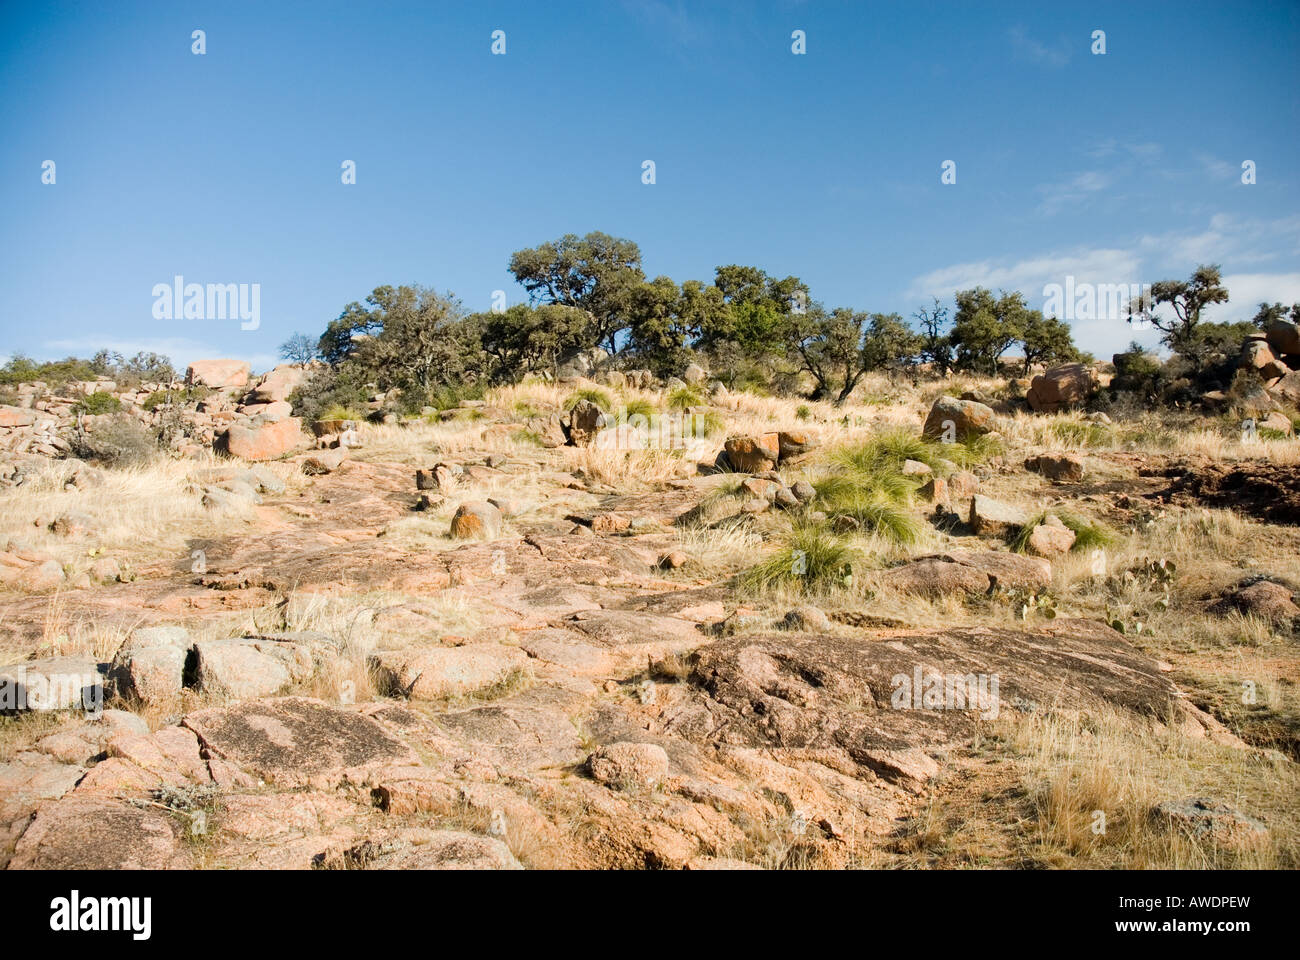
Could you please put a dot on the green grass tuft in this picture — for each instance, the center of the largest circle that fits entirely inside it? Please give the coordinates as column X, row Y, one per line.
column 679, row 398
column 1083, row 434
column 1088, row 534
column 811, row 559
column 592, row 395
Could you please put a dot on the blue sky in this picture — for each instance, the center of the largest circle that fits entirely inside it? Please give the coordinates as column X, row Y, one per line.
column 225, row 167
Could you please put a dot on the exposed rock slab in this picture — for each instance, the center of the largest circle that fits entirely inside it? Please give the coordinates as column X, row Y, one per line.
column 295, row 740
column 85, row 833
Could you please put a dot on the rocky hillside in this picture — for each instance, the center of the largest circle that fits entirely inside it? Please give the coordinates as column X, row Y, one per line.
column 616, row 625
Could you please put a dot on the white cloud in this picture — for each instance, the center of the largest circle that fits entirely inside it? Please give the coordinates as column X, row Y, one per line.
column 1248, row 290
column 1228, row 241
column 1111, row 147
column 1030, row 275
column 1219, row 169
column 1056, row 55
column 1059, row 195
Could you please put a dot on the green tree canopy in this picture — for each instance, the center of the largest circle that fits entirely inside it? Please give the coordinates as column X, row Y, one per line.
column 596, row 273
column 985, row 326
column 408, row 337
column 1046, row 340
column 526, row 339
column 1186, row 299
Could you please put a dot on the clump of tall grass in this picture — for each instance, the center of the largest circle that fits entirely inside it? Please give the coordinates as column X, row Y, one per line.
column 866, row 483
column 592, row 395
column 680, row 398
column 1088, row 534
column 811, row 559
column 638, row 407
column 706, row 424
column 1080, row 433
column 337, row 411
column 971, row 450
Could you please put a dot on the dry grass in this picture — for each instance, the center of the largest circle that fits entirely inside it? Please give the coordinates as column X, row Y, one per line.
column 138, row 514
column 1188, row 435
column 418, row 442
column 1075, row 766
column 630, row 469
column 718, row 551
column 1078, row 790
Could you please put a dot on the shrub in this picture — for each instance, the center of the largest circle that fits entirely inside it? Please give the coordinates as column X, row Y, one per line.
column 178, row 397
column 328, row 387
column 447, row 396
column 706, row 424
column 336, row 411
column 122, row 441
column 868, row 484
column 971, row 450
column 1077, row 432
column 636, row 407
column 97, row 403
column 803, row 412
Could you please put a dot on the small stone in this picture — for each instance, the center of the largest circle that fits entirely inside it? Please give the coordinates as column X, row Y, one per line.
column 804, row 490
column 673, row 560
column 989, row 517
column 761, row 488
column 476, row 519
column 54, row 683
column 629, row 765
column 327, row 461
column 427, row 501
column 1263, row 598
column 785, row 498
column 150, row 664
column 1059, row 468
column 508, row 508
column 606, row 523
column 1214, row 820
column 266, row 441
column 71, row 525
column 245, row 668
column 441, row 477
column 935, row 490
column 951, row 420
column 794, row 443
column 806, row 617
column 753, row 454
column 1050, row 539
column 436, row 673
